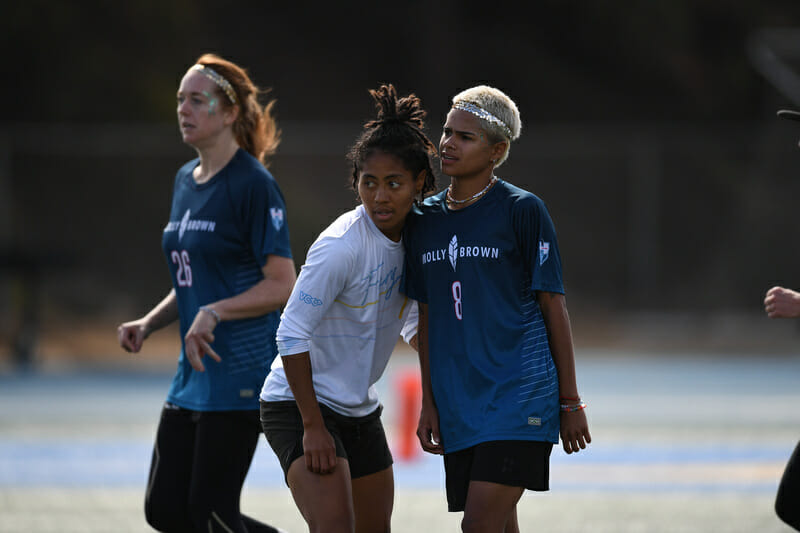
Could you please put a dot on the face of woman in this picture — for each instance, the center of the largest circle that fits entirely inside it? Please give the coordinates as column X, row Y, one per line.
column 387, row 189
column 464, row 149
column 201, row 117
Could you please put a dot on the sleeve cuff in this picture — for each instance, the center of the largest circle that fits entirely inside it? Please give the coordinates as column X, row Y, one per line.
column 289, row 346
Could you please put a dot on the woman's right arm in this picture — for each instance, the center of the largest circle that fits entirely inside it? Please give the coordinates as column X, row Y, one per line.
column 325, row 273
column 318, row 445
column 131, row 335
column 428, row 428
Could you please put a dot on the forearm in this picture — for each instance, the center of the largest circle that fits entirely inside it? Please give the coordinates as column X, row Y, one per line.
column 559, row 331
column 266, row 296
column 299, row 376
column 163, row 314
column 422, row 351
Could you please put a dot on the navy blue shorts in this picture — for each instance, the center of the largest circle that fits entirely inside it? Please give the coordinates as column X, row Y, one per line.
column 517, row 463
column 360, row 440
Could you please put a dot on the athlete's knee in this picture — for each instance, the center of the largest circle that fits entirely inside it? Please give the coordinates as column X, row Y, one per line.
column 336, row 521
column 213, row 521
column 164, row 517
column 374, row 518
column 479, row 524
column 375, row 524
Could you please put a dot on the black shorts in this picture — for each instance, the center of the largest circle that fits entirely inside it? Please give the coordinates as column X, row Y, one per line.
column 517, row 463
column 360, row 440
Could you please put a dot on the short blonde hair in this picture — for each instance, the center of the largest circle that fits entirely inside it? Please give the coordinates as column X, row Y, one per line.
column 502, row 107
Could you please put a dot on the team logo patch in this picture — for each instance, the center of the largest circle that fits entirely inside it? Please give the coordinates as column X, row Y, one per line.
column 276, row 213
column 544, row 251
column 452, row 251
column 534, row 421
column 184, row 222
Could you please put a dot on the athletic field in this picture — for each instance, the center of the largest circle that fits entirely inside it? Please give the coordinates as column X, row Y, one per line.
column 682, row 443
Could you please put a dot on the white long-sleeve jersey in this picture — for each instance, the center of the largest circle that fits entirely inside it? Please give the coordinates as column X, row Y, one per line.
column 347, row 311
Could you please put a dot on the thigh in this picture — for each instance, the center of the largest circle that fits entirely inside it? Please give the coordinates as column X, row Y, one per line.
column 524, row 464
column 373, row 500
column 365, row 444
column 491, row 507
column 515, row 463
column 283, row 428
column 169, row 481
column 225, row 444
column 324, row 500
column 457, row 467
column 500, row 472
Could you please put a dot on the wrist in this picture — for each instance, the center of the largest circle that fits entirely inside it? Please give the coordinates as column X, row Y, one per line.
column 146, row 325
column 571, row 407
column 313, row 423
column 209, row 310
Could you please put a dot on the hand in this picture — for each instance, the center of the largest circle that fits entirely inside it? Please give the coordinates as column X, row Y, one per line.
column 131, row 335
column 574, row 431
column 197, row 342
column 428, row 429
column 319, row 450
column 782, row 303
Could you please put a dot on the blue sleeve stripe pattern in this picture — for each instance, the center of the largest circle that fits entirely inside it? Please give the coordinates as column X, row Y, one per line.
column 247, row 273
column 250, row 345
column 538, row 374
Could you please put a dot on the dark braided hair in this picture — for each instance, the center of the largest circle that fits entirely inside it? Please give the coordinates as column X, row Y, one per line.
column 396, row 131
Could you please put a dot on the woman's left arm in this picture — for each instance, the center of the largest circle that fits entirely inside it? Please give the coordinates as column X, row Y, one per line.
column 574, row 426
column 264, row 297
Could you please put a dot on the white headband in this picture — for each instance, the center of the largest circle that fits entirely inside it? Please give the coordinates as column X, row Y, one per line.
column 481, row 113
column 224, row 84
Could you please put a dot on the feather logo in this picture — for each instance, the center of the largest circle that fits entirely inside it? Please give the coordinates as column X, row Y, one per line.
column 184, row 222
column 452, row 251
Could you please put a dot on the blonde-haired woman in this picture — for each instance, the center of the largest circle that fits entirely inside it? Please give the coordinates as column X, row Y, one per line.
column 495, row 340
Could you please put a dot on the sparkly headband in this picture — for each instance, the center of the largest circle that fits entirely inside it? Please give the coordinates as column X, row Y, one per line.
column 224, row 84
column 481, row 113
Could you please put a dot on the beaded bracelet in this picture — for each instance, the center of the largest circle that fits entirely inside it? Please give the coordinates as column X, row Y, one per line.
column 211, row 312
column 572, row 408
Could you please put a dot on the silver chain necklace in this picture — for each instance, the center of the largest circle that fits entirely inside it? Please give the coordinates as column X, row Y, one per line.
column 473, row 197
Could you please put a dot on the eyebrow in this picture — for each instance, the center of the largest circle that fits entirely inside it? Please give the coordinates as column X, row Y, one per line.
column 461, row 132
column 389, row 176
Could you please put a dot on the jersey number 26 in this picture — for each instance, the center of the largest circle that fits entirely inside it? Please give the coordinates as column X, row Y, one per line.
column 184, row 275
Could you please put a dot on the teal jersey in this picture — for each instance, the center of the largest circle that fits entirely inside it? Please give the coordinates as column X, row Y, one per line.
column 216, row 242
column 478, row 270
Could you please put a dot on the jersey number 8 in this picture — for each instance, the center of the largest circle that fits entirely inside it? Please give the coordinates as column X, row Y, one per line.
column 456, row 290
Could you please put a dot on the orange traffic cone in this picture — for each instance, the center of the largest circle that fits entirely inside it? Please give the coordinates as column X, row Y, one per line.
column 408, row 387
